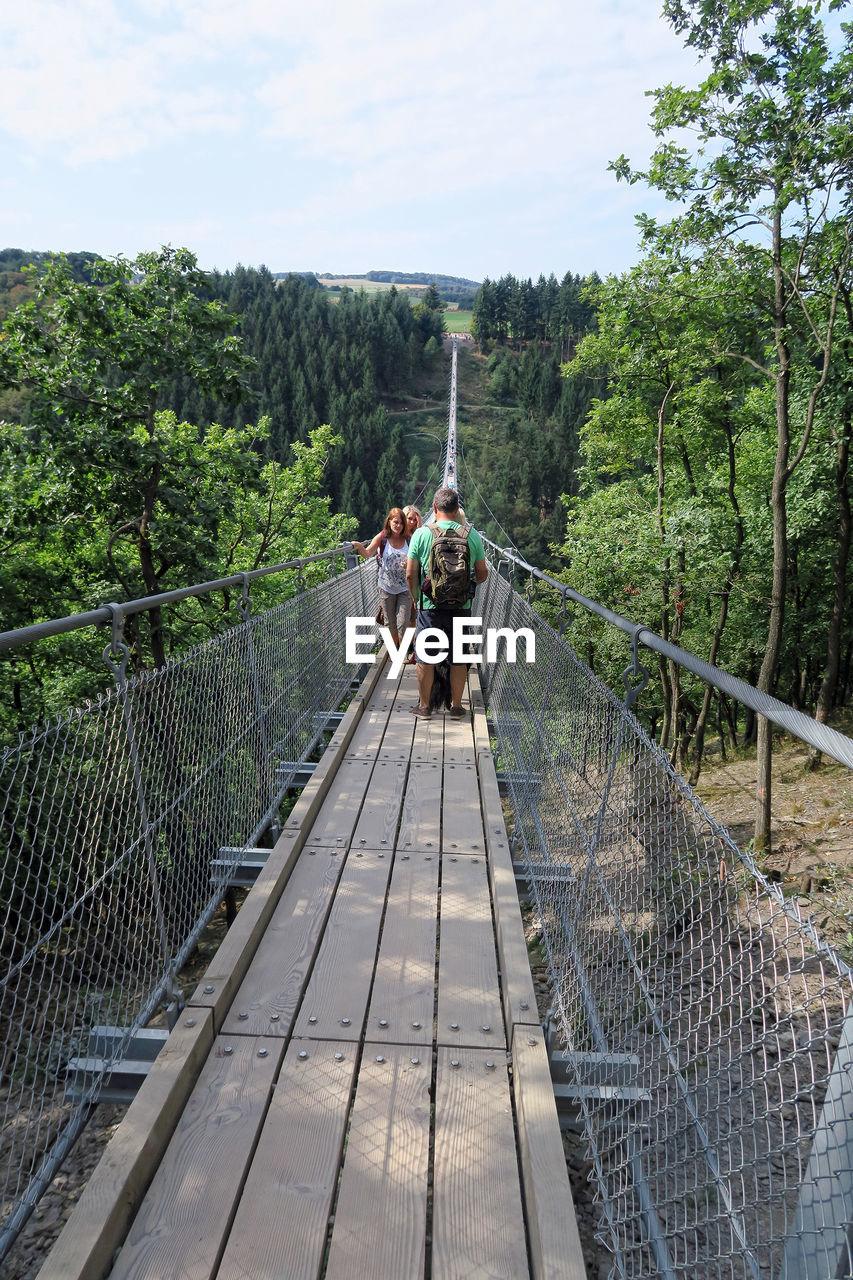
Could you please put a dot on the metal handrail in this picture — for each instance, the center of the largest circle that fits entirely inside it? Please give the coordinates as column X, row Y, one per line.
column 107, row 612
column 821, row 736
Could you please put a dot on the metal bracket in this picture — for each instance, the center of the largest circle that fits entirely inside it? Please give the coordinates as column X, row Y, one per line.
column 636, row 669
column 117, row 645
column 245, row 601
column 531, row 783
column 238, row 868
column 565, row 617
column 120, row 1076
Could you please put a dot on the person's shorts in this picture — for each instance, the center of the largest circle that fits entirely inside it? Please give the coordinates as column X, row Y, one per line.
column 441, row 619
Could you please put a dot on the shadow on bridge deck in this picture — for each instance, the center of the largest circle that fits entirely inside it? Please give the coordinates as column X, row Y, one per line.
column 359, row 1086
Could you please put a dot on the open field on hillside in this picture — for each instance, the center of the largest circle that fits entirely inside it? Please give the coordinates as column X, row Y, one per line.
column 458, row 321
column 370, row 286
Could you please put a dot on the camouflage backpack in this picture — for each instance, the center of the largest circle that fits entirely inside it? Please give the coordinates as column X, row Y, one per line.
column 449, row 568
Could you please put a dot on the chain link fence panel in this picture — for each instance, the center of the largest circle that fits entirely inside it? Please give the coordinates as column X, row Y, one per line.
column 703, row 1024
column 115, row 819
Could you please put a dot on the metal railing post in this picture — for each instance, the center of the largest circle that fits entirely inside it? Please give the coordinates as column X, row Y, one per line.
column 119, row 671
column 246, row 618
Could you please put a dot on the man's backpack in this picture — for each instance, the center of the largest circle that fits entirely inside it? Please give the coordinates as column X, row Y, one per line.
column 449, row 568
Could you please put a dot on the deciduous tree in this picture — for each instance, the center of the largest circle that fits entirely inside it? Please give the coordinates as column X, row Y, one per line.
column 767, row 186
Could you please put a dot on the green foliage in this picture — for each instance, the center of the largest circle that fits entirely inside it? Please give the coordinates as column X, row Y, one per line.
column 220, row 510
column 108, row 496
column 721, row 446
column 519, row 311
column 322, row 362
column 521, row 456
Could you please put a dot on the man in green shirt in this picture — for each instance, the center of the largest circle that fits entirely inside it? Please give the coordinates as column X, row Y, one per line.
column 445, row 505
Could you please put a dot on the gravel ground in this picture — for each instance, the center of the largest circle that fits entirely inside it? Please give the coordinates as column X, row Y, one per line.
column 41, row 1231
column 37, row 1238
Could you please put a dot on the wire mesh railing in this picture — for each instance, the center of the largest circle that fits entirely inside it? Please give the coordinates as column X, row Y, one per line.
column 703, row 1023
column 122, row 824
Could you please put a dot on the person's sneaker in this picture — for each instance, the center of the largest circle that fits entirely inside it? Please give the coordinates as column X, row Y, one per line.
column 423, row 712
column 456, row 713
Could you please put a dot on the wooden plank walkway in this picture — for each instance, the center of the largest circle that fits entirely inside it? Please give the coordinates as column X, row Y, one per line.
column 359, row 1086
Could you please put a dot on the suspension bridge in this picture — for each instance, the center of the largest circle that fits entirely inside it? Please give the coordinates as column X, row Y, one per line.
column 362, row 1082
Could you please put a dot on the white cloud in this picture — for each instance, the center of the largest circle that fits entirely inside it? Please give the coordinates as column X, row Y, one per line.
column 327, row 118
column 87, row 84
column 349, row 84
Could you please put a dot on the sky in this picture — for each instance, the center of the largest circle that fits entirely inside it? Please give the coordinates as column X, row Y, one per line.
column 463, row 137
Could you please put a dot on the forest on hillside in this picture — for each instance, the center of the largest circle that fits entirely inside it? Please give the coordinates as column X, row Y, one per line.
column 673, row 441
column 152, row 411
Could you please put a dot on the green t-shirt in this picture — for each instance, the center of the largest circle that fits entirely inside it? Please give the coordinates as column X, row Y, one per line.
column 420, row 546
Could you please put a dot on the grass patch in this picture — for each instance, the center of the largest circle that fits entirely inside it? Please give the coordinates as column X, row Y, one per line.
column 458, row 321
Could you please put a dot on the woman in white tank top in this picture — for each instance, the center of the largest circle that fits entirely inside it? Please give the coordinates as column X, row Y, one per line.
column 391, row 547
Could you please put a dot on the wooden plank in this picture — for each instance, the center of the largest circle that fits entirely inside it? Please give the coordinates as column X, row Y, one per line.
column 461, row 821
column 381, row 1214
column 380, row 812
column 420, row 822
column 371, row 726
column 469, row 1005
column 100, row 1219
column 408, row 686
column 482, row 741
column 228, row 966
column 406, row 692
column 478, row 1222
column 272, row 988
column 305, row 810
column 397, row 740
column 336, row 997
column 281, row 1226
column 334, row 824
column 428, row 745
column 555, row 1247
column 181, row 1225
column 458, row 741
column 519, row 994
column 403, row 996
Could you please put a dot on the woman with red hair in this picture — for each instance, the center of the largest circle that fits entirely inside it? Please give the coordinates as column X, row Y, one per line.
column 391, row 547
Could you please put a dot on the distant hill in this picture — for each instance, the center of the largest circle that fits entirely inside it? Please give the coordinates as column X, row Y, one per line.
column 423, row 277
column 456, row 289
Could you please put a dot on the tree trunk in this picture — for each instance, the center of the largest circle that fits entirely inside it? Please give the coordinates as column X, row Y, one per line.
column 721, row 730
column 146, row 556
column 149, row 574
column 829, row 683
column 702, row 719
column 733, row 572
column 666, row 691
column 779, row 510
column 668, row 675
